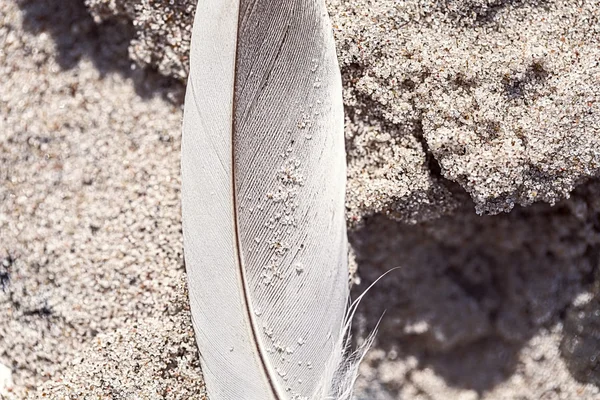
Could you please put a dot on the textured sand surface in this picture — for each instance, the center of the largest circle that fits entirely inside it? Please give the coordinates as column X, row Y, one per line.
column 90, row 229
column 453, row 107
column 498, row 96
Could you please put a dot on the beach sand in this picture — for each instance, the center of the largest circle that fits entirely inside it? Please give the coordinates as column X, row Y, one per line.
column 454, row 109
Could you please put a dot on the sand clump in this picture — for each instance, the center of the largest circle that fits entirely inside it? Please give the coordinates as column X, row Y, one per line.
column 453, row 108
column 502, row 94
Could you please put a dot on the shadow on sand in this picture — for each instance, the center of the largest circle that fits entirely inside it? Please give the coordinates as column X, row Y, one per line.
column 472, row 290
column 77, row 36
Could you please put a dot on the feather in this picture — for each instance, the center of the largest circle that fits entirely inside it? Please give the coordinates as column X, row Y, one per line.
column 263, row 183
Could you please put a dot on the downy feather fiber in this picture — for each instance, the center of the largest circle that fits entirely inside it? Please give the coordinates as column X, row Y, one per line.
column 263, row 171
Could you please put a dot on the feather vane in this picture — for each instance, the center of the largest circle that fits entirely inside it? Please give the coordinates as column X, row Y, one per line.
column 263, row 183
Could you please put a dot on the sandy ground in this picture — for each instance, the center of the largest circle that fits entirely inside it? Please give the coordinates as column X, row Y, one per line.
column 92, row 300
column 90, row 216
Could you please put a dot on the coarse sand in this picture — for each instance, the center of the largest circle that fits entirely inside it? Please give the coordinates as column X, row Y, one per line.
column 453, row 107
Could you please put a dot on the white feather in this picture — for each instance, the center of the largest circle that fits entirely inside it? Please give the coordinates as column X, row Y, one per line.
column 263, row 171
